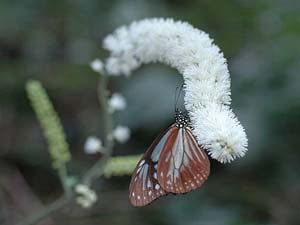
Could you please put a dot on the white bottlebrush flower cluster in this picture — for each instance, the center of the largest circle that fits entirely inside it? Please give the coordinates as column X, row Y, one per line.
column 204, row 68
column 86, row 197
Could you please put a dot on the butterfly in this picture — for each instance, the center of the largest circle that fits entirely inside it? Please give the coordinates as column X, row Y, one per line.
column 173, row 164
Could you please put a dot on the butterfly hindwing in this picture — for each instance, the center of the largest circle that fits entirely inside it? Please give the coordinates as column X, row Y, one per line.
column 144, row 187
column 183, row 165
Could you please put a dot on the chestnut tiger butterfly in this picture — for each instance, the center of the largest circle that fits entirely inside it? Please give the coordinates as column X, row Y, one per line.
column 173, row 164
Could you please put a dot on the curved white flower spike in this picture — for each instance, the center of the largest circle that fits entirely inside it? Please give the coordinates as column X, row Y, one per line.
column 205, row 72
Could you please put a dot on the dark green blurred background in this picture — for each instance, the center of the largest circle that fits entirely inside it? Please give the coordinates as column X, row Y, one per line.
column 54, row 41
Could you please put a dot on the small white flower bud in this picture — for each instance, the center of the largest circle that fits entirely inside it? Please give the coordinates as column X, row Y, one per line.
column 116, row 103
column 97, row 65
column 86, row 197
column 121, row 134
column 93, row 145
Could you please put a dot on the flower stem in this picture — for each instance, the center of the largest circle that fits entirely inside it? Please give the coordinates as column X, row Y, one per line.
column 97, row 169
column 53, row 207
column 63, row 175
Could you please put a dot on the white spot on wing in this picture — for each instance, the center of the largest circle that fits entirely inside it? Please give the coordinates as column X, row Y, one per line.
column 139, row 169
column 141, row 163
column 149, row 183
column 185, row 160
column 157, row 150
column 178, row 150
column 176, row 173
column 145, row 172
column 168, row 157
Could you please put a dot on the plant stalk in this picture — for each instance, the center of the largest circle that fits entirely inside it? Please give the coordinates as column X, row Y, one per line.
column 97, row 169
column 63, row 175
column 53, row 207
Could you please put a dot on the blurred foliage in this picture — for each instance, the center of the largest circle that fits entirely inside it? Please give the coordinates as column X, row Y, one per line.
column 53, row 41
column 121, row 165
column 50, row 122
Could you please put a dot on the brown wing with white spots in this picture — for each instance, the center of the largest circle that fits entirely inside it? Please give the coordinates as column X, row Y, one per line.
column 144, row 187
column 183, row 164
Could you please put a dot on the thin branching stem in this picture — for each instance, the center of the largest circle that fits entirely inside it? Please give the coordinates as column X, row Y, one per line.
column 63, row 175
column 97, row 169
column 51, row 208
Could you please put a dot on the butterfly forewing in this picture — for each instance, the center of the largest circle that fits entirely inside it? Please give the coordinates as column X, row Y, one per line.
column 183, row 165
column 144, row 187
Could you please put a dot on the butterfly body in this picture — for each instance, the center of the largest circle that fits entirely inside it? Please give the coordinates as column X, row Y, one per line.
column 174, row 163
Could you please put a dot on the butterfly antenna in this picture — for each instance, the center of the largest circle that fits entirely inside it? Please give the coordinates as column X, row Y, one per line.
column 177, row 96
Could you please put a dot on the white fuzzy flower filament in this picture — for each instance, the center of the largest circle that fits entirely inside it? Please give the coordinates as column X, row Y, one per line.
column 205, row 72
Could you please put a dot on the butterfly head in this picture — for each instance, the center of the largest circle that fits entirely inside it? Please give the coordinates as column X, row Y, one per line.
column 182, row 119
